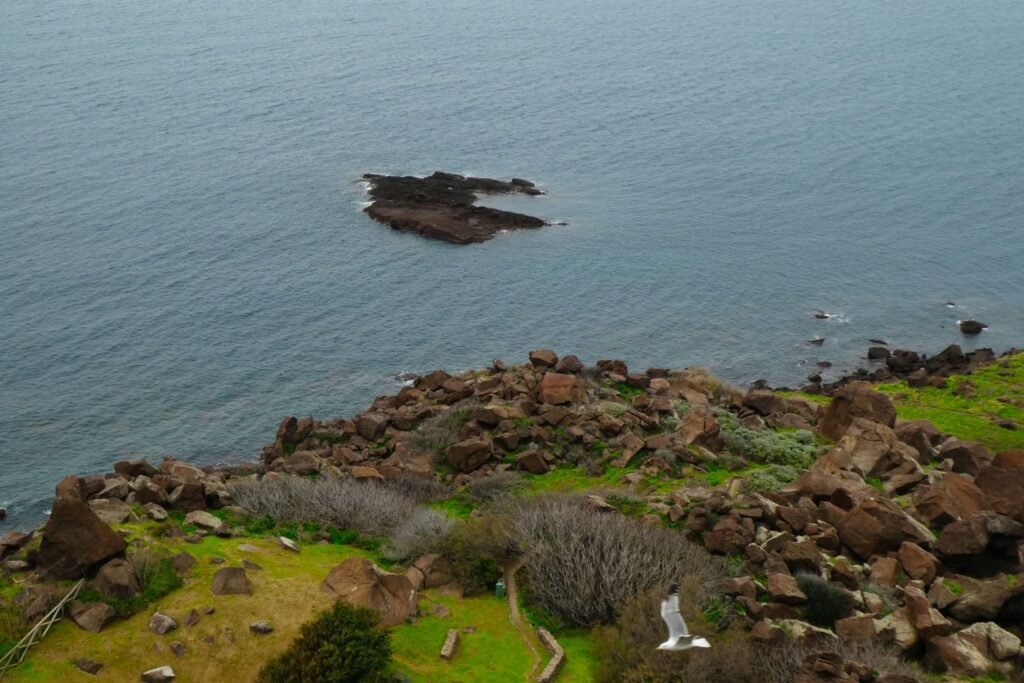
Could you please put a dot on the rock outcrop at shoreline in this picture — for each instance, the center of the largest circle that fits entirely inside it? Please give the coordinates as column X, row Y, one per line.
column 442, row 206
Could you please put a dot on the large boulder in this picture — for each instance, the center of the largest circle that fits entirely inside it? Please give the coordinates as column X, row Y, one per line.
column 950, row 498
column 868, row 444
column 117, row 579
column 559, row 389
column 231, row 581
column 1003, row 484
column 469, row 455
column 856, row 399
column 91, row 616
column 360, row 582
column 978, row 650
column 877, row 526
column 968, row 456
column 75, row 541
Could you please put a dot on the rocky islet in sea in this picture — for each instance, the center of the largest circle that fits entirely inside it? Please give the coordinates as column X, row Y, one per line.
column 442, row 206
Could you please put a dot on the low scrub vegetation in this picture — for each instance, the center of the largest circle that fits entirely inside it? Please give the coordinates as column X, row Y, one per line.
column 369, row 508
column 826, row 604
column 437, row 433
column 342, row 645
column 494, row 486
column 426, row 531
column 796, row 448
column 583, row 565
column 157, row 578
column 627, row 649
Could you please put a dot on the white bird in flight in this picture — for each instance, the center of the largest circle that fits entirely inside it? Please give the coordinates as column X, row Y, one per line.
column 679, row 637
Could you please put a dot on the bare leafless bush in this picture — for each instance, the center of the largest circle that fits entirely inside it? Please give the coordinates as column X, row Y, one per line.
column 426, row 531
column 490, row 487
column 417, row 488
column 369, row 508
column 439, row 432
column 584, row 565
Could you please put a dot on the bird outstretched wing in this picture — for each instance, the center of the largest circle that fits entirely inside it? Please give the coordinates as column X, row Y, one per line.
column 672, row 618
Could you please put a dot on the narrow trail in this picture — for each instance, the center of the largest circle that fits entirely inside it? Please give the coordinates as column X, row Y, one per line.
column 512, row 593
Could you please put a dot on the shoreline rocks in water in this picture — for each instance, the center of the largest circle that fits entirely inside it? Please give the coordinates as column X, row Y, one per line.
column 442, row 206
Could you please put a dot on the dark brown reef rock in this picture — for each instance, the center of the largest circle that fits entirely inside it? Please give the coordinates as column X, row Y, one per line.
column 442, row 206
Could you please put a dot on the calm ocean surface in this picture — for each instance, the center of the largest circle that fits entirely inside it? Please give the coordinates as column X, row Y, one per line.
column 183, row 260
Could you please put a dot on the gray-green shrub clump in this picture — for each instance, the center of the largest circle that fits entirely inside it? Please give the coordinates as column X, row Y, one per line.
column 771, row 478
column 796, row 448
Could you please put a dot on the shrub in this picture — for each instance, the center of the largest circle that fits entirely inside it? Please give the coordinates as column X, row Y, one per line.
column 771, row 478
column 440, row 431
column 627, row 650
column 825, row 603
column 342, row 645
column 425, row 532
column 157, row 578
column 371, row 509
column 794, row 448
column 492, row 486
column 417, row 488
column 583, row 565
column 475, row 550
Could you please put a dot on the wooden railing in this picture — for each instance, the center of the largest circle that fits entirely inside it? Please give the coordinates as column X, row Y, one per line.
column 17, row 654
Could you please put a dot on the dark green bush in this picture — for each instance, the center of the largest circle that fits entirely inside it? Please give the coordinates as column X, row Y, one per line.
column 342, row 645
column 826, row 603
column 475, row 549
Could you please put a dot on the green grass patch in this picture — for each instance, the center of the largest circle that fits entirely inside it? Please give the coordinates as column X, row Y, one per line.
column 454, row 507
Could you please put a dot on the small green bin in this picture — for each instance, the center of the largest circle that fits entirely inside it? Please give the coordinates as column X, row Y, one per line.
column 499, row 588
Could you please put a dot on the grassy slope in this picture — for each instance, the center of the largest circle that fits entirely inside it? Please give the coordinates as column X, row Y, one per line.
column 970, row 418
column 286, row 593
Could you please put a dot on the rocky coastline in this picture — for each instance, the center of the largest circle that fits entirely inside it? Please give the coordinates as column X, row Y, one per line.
column 922, row 531
column 442, row 206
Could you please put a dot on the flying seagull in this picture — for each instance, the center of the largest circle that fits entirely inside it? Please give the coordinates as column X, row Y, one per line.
column 679, row 637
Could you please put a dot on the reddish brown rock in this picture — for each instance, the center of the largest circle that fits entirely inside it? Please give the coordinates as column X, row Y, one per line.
column 885, row 572
column 91, row 616
column 543, row 358
column 879, row 525
column 532, row 461
column 860, row 628
column 359, row 582
column 75, row 541
column 783, row 588
column 469, row 455
column 917, row 562
column 558, row 389
column 968, row 456
column 117, row 579
column 1004, row 488
column 951, row 498
column 730, row 535
column 928, row 621
column 855, row 400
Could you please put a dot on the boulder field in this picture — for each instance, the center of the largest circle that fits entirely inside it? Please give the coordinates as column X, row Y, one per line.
column 442, row 206
column 922, row 532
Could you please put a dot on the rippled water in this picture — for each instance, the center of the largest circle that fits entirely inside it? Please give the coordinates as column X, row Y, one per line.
column 183, row 259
